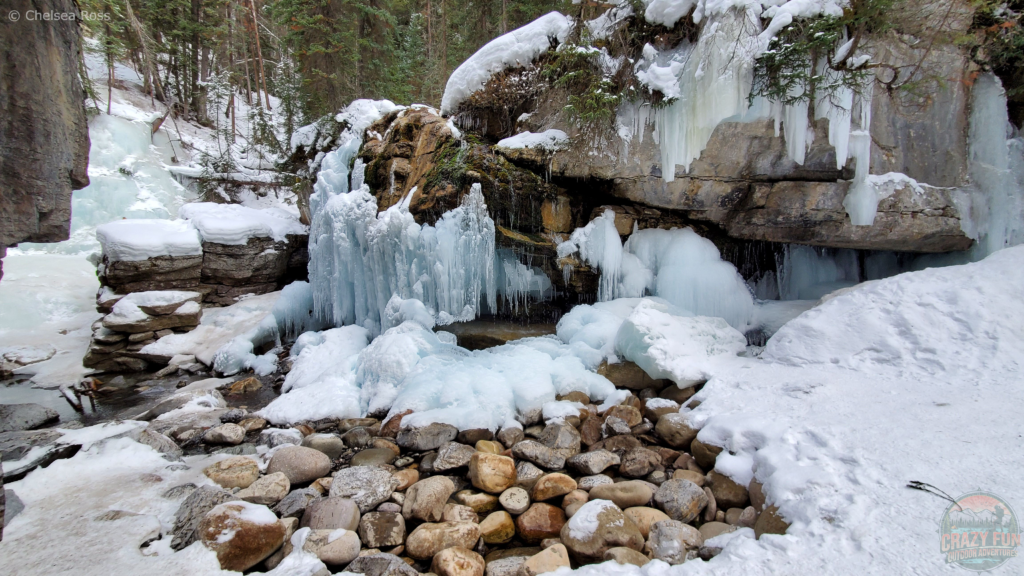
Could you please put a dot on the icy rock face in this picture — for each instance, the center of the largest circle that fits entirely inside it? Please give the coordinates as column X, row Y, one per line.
column 44, row 141
column 359, row 259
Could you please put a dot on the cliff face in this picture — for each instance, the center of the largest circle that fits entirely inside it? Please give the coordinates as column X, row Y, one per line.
column 44, row 137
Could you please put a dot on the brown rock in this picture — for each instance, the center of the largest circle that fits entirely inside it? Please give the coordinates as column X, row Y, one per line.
column 704, row 454
column 624, row 494
column 709, row 530
column 770, row 522
column 233, row 472
column 677, row 394
column 628, row 375
column 332, row 513
column 728, row 494
column 381, row 529
column 497, row 528
column 425, row 499
column 629, row 414
column 575, row 496
column 428, row 539
column 644, row 517
column 471, row 437
column 459, row 513
column 489, row 447
column 590, row 430
column 406, row 478
column 682, row 500
column 756, row 492
column 552, row 485
column 390, row 428
column 623, row 555
column 255, row 534
column 619, row 444
column 639, row 462
column 597, row 527
column 299, row 464
column 690, row 475
column 333, row 547
column 457, row 561
column 711, row 512
column 492, row 473
column 675, row 431
column 540, row 521
column 481, row 503
column 547, row 560
column 267, row 490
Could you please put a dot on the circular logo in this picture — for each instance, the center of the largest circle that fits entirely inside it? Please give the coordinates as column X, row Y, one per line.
column 979, row 532
column 14, row 15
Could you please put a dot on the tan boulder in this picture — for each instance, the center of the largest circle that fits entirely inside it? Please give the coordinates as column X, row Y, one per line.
column 497, row 528
column 233, row 472
column 547, row 560
column 457, row 561
column 645, row 517
column 552, row 485
column 596, row 527
column 492, row 473
column 430, row 538
column 540, row 521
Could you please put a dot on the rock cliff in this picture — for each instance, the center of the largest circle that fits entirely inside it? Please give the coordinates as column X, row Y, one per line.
column 44, row 138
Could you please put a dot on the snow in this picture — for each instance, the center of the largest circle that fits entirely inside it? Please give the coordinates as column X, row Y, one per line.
column 550, row 140
column 683, row 349
column 514, row 49
column 134, row 240
column 217, row 327
column 667, row 12
column 560, row 410
column 936, row 320
column 604, row 25
column 90, row 435
column 233, row 225
column 584, row 522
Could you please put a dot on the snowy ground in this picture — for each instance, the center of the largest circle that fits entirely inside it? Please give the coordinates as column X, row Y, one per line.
column 838, row 415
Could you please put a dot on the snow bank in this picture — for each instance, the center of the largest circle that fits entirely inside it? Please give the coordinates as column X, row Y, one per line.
column 233, row 224
column 958, row 318
column 667, row 12
column 133, row 240
column 515, row 49
column 548, row 140
column 685, row 350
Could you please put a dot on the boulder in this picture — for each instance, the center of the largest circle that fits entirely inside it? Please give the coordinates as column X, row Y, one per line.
column 551, row 486
column 233, row 472
column 709, row 530
column 704, row 454
column 489, row 447
column 17, row 417
column 695, row 477
column 745, row 517
column 596, row 527
column 770, row 522
column 299, row 464
column 539, row 454
column 274, row 437
column 333, row 547
column 540, row 521
column 241, row 534
column 527, row 475
column 406, row 478
column 329, row 444
column 593, row 462
column 507, row 566
column 425, row 438
column 231, row 434
column 576, row 496
column 267, row 490
column 382, row 529
column 623, row 555
column 425, row 499
column 674, row 542
column 628, row 375
column 547, row 560
column 331, row 513
column 457, row 561
column 295, row 503
column 459, row 513
column 728, row 494
column 480, row 502
column 624, row 494
column 492, row 473
column 497, row 528
column 589, row 482
column 453, row 455
column 639, row 462
column 367, row 486
column 380, row 564
column 675, row 430
column 373, row 457
column 562, row 438
column 644, row 517
column 628, row 414
column 516, row 500
column 430, row 538
column 510, row 435
column 192, row 511
column 358, row 437
column 682, row 500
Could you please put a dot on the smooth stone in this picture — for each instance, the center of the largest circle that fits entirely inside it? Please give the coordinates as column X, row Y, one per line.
column 547, row 560
column 540, row 521
column 770, row 522
column 728, row 493
column 589, row 482
column 480, row 502
column 515, row 500
column 333, row 547
column 682, row 500
column 457, row 561
column 551, row 486
column 645, row 517
column 575, row 496
column 406, row 478
column 358, row 437
column 192, row 511
column 382, row 529
column 225, row 434
column 380, row 564
column 453, row 455
column 459, row 513
column 430, row 437
column 255, row 533
column 267, row 490
column 675, row 431
column 596, row 527
column 331, row 513
column 705, row 454
column 492, row 473
column 497, row 528
column 624, row 494
column 329, row 444
column 623, row 555
column 368, row 486
column 233, row 472
column 511, row 435
column 425, row 499
column 299, row 464
column 690, row 475
column 430, row 538
column 709, row 530
column 489, row 447
column 373, row 457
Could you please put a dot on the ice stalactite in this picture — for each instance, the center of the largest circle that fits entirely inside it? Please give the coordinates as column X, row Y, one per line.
column 862, row 199
column 996, row 206
column 677, row 265
column 519, row 284
column 359, row 259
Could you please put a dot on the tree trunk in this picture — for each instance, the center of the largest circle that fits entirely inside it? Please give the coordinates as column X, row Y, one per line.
column 259, row 52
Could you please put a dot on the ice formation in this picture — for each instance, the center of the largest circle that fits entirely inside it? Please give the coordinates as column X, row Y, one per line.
column 359, row 259
column 677, row 265
column 515, row 49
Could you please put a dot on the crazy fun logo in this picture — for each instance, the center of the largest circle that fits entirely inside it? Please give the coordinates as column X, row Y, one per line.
column 979, row 532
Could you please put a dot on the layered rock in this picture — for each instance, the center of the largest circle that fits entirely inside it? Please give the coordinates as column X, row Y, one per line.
column 44, row 137
column 135, row 321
